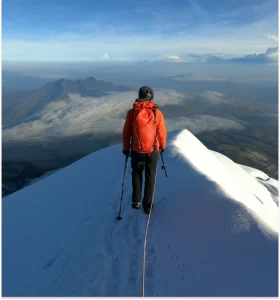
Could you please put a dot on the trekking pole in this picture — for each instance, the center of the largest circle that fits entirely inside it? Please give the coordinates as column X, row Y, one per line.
column 163, row 167
column 119, row 217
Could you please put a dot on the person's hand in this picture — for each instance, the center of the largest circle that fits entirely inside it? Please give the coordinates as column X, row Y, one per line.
column 162, row 150
column 126, row 152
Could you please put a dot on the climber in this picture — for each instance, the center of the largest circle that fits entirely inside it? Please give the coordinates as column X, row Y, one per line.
column 144, row 135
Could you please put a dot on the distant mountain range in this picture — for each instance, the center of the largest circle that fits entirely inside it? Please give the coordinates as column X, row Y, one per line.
column 28, row 103
column 70, row 113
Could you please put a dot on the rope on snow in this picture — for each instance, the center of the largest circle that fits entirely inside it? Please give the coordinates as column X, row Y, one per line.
column 145, row 241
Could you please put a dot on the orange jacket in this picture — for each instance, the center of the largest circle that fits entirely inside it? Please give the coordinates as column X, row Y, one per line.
column 128, row 126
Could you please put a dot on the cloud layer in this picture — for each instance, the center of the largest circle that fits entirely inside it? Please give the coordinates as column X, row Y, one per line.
column 80, row 115
column 270, row 56
column 130, row 48
column 213, row 97
column 201, row 123
column 170, row 58
column 86, row 115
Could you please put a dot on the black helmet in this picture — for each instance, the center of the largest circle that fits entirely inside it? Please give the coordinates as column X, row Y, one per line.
column 146, row 92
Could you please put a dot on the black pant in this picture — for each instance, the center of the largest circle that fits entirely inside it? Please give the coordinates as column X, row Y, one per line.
column 139, row 162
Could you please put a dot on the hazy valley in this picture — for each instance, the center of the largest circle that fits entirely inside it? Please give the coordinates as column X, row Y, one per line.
column 51, row 126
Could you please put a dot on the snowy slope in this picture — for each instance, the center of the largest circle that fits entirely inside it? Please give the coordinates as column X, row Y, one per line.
column 213, row 231
column 42, row 177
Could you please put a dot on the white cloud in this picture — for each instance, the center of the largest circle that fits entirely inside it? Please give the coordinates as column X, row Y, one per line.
column 200, row 123
column 171, row 58
column 105, row 56
column 270, row 56
column 213, row 97
column 273, row 38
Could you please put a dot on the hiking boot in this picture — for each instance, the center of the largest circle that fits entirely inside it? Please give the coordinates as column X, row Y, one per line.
column 147, row 207
column 136, row 205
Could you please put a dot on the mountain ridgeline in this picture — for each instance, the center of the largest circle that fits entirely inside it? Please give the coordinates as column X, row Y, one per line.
column 33, row 101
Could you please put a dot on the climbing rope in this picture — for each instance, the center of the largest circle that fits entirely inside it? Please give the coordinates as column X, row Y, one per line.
column 145, row 241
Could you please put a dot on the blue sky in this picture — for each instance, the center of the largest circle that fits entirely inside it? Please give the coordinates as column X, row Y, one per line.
column 48, row 30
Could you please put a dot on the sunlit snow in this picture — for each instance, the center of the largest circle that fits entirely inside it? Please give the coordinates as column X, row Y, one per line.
column 213, row 229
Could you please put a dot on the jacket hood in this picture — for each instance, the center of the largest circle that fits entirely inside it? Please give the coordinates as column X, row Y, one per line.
column 143, row 104
column 142, row 100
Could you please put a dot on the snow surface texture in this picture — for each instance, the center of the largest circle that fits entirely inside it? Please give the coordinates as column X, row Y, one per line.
column 212, row 231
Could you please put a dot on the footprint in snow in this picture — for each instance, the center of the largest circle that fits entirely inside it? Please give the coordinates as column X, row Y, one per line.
column 52, row 260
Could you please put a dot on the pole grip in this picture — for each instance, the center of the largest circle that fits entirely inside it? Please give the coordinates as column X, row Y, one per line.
column 163, row 164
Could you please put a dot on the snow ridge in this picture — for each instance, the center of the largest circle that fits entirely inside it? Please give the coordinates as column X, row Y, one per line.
column 234, row 180
column 212, row 231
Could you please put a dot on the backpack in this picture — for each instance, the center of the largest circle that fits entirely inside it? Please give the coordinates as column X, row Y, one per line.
column 144, row 130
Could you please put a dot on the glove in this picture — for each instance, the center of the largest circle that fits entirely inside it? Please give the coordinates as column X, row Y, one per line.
column 162, row 150
column 126, row 152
